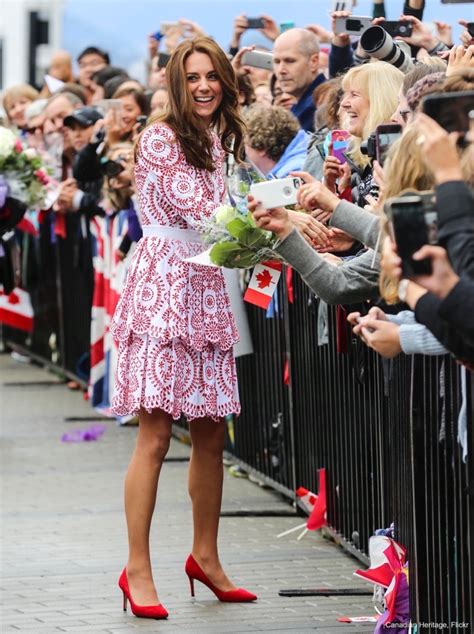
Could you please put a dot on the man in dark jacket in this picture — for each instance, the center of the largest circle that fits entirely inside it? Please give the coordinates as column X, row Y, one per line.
column 296, row 66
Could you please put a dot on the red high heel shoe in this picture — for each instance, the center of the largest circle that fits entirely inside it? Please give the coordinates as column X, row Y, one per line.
column 145, row 611
column 194, row 571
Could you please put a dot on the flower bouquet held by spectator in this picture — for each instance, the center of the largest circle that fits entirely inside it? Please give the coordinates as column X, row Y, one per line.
column 22, row 173
column 234, row 238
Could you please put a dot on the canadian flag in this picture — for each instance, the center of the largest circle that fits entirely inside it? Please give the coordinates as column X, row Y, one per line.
column 385, row 556
column 263, row 284
column 307, row 498
column 318, row 514
column 16, row 310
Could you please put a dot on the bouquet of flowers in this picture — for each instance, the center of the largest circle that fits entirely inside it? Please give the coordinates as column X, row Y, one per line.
column 23, row 175
column 234, row 238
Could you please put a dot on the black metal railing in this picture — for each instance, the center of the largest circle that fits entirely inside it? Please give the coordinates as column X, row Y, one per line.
column 386, row 432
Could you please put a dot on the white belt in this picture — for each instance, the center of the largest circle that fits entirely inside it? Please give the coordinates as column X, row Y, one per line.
column 175, row 233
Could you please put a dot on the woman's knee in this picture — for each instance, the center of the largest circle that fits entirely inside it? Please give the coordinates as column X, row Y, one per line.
column 154, row 435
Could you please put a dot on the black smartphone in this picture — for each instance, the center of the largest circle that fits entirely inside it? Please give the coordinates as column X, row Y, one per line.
column 141, row 119
column 385, row 136
column 413, row 220
column 451, row 109
column 397, row 29
column 163, row 59
column 470, row 28
column 255, row 23
column 111, row 168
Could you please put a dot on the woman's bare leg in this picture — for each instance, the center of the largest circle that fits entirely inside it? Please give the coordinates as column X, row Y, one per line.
column 141, row 484
column 205, row 488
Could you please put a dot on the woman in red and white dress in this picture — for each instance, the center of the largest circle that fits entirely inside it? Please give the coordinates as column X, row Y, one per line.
column 173, row 324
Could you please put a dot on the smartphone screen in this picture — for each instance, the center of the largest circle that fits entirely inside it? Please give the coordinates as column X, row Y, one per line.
column 411, row 232
column 385, row 136
column 450, row 110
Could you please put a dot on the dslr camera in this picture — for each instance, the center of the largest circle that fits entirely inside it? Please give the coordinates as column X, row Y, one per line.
column 378, row 43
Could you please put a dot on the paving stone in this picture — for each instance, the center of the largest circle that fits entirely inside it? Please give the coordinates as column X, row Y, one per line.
column 64, row 539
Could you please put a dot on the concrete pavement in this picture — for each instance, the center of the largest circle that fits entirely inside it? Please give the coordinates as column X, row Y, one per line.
column 64, row 539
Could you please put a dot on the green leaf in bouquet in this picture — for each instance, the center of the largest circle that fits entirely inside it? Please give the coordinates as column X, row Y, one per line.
column 220, row 252
column 235, row 227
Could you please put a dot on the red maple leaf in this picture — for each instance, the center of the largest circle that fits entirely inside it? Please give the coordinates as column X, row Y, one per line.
column 264, row 279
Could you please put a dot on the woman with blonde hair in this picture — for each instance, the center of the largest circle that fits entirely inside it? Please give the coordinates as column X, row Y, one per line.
column 370, row 98
column 173, row 324
column 15, row 101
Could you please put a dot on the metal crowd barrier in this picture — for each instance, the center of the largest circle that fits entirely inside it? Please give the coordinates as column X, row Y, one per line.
column 58, row 274
column 386, row 432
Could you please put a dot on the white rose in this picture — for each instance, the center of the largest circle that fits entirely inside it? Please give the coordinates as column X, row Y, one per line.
column 30, row 153
column 224, row 214
column 7, row 142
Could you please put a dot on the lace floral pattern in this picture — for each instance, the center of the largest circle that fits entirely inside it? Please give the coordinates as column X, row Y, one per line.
column 173, row 324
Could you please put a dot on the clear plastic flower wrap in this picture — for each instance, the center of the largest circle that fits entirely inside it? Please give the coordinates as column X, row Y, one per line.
column 232, row 234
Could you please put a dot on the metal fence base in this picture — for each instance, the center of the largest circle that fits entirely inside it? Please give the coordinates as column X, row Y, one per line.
column 46, row 363
column 326, row 592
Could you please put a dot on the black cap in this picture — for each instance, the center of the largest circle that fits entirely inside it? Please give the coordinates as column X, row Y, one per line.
column 83, row 116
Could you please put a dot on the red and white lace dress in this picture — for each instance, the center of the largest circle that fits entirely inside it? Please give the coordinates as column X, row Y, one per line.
column 173, row 324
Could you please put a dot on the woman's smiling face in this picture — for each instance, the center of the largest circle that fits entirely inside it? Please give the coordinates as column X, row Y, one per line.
column 356, row 107
column 204, row 85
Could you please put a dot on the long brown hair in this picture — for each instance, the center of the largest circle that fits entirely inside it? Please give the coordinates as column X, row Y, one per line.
column 189, row 128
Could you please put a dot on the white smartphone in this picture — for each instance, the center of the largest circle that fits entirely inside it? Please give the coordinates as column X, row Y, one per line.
column 277, row 193
column 353, row 25
column 258, row 59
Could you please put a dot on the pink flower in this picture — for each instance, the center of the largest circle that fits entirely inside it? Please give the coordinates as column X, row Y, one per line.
column 42, row 176
column 18, row 146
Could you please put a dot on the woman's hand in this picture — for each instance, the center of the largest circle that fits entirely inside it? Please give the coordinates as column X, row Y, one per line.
column 381, row 336
column 316, row 195
column 443, row 279
column 191, row 29
column 332, row 171
column 237, row 60
column 312, row 231
column 270, row 28
column 339, row 39
column 466, row 37
column 438, row 149
column 113, row 127
column 275, row 220
column 374, row 313
column 339, row 241
column 460, row 58
column 421, row 33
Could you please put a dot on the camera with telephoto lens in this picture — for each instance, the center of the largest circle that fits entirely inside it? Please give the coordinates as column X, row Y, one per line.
column 369, row 147
column 377, row 43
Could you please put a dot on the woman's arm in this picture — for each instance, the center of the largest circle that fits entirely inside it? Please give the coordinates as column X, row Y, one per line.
column 354, row 281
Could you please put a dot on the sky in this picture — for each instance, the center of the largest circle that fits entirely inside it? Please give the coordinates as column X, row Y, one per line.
column 121, row 26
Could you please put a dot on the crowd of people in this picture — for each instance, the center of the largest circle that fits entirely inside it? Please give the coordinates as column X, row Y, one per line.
column 379, row 134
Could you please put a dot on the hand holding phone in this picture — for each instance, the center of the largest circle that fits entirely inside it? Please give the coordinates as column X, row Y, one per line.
column 258, row 59
column 352, row 25
column 279, row 192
